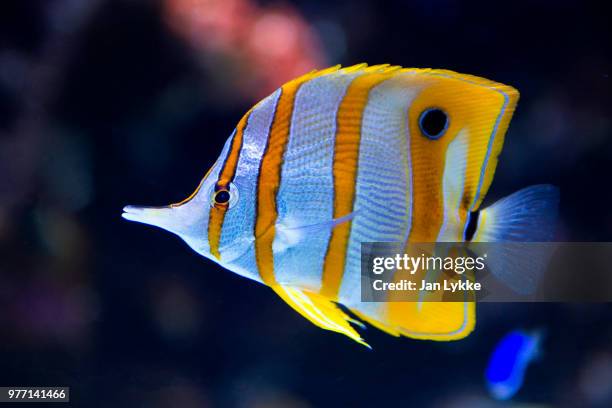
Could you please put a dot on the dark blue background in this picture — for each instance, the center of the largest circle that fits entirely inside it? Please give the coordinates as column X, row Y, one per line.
column 114, row 109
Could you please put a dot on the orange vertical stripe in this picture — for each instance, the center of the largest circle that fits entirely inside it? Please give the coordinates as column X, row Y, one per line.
column 269, row 175
column 217, row 213
column 428, row 158
column 346, row 156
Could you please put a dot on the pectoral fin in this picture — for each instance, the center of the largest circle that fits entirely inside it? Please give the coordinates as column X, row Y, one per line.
column 320, row 311
column 290, row 232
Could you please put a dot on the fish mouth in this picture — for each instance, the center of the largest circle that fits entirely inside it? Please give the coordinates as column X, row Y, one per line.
column 137, row 213
column 130, row 210
column 156, row 216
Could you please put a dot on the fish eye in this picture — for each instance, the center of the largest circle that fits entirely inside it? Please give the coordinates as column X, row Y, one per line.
column 224, row 196
column 433, row 123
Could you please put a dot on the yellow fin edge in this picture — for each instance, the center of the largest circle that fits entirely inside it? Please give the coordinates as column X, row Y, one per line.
column 320, row 311
column 425, row 325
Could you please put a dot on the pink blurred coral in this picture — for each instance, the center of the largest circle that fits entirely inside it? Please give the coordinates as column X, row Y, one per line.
column 265, row 45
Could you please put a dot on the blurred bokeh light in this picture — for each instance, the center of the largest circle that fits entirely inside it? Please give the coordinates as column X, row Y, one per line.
column 250, row 47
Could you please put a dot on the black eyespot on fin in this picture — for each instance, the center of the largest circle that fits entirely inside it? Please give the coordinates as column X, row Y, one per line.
column 433, row 123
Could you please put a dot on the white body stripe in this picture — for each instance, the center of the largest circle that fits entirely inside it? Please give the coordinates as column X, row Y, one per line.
column 306, row 195
column 235, row 244
column 452, row 188
column 383, row 185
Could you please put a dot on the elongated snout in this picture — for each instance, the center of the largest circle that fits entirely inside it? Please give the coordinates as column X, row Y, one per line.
column 157, row 216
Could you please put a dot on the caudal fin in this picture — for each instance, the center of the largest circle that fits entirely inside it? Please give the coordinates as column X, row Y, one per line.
column 529, row 215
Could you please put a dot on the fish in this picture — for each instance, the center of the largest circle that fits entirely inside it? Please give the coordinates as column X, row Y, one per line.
column 506, row 368
column 342, row 156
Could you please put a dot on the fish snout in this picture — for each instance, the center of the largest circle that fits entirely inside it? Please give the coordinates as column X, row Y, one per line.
column 156, row 216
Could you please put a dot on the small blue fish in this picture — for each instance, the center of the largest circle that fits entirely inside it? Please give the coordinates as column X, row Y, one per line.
column 509, row 362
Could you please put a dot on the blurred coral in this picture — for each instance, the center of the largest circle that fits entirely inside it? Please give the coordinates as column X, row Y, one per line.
column 260, row 46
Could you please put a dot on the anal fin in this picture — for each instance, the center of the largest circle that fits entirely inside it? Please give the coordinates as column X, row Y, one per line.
column 438, row 321
column 320, row 311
